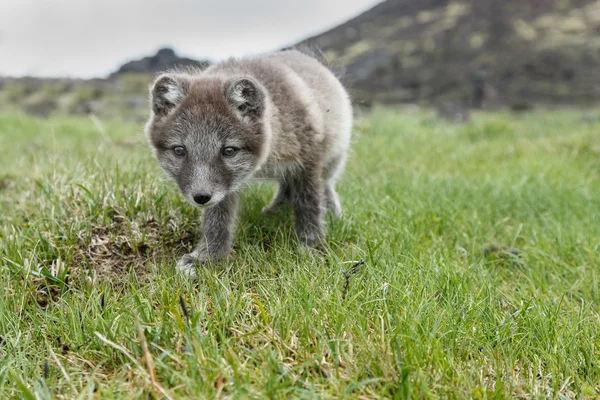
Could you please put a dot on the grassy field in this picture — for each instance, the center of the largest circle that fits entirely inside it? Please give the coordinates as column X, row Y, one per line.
column 91, row 305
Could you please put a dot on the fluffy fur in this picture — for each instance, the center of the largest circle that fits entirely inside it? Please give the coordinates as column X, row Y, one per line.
column 282, row 116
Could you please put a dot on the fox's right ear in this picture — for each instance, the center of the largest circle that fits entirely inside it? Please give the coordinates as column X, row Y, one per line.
column 166, row 93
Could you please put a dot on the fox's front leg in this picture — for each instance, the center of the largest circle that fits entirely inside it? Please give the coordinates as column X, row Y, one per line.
column 216, row 235
column 308, row 202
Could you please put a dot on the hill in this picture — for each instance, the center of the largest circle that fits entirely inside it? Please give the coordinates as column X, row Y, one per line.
column 525, row 51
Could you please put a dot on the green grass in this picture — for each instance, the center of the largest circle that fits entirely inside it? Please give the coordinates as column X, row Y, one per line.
column 90, row 303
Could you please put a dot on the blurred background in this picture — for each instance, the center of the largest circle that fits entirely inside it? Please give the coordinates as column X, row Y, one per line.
column 98, row 57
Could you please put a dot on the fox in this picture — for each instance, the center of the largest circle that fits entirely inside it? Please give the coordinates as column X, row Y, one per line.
column 283, row 116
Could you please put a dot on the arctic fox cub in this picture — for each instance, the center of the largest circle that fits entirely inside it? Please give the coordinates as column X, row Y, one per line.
column 283, row 116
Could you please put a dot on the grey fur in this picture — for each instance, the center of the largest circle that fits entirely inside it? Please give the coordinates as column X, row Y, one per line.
column 288, row 117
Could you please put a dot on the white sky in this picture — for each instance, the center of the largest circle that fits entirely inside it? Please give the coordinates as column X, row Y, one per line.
column 88, row 38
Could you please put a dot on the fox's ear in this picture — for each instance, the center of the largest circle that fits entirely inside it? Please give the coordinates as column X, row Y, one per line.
column 246, row 97
column 167, row 92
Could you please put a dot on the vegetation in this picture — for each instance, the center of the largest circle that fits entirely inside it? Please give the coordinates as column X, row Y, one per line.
column 120, row 97
column 91, row 305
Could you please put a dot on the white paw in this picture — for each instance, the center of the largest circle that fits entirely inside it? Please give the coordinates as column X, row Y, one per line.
column 186, row 266
column 271, row 208
column 305, row 249
column 335, row 208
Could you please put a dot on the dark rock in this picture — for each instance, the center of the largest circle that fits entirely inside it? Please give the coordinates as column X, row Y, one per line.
column 454, row 112
column 163, row 60
column 520, row 107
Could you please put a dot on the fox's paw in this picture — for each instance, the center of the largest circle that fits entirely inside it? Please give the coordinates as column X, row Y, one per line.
column 187, row 264
column 270, row 209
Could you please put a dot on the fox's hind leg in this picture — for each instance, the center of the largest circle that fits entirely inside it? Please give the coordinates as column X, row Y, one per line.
column 331, row 173
column 281, row 196
column 331, row 199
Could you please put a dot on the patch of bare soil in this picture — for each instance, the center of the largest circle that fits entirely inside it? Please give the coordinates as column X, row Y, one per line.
column 5, row 182
column 109, row 252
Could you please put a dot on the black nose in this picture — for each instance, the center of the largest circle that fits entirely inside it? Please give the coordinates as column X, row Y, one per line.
column 202, row 198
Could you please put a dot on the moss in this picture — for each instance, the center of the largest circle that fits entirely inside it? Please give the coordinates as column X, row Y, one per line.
column 573, row 24
column 358, row 48
column 429, row 45
column 425, row 17
column 405, row 22
column 477, row 40
column 457, row 9
column 524, row 30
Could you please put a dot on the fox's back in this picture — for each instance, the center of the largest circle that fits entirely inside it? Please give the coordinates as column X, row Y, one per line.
column 306, row 97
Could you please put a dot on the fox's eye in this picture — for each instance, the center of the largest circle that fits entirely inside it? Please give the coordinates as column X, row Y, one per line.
column 229, row 151
column 179, row 151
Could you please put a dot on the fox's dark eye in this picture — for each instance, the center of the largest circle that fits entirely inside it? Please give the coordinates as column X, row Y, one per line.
column 229, row 151
column 179, row 151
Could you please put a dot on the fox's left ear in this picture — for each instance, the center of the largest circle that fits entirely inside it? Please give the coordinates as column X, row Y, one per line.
column 246, row 97
column 167, row 92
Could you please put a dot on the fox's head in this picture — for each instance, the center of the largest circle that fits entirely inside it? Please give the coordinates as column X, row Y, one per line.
column 208, row 134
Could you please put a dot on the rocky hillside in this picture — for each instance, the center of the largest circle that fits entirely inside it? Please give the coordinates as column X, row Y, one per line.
column 511, row 50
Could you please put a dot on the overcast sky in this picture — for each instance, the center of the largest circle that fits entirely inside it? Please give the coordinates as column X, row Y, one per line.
column 88, row 38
